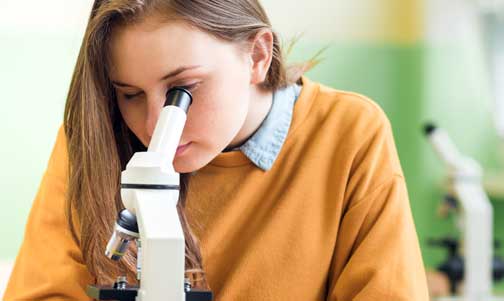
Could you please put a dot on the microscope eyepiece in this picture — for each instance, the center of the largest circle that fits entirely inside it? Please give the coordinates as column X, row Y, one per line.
column 429, row 128
column 179, row 97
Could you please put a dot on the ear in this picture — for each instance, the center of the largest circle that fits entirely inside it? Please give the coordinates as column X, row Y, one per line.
column 261, row 55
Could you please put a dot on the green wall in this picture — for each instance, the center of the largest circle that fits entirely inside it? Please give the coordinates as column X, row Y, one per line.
column 35, row 73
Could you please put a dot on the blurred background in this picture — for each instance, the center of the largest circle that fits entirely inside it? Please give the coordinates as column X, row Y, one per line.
column 421, row 60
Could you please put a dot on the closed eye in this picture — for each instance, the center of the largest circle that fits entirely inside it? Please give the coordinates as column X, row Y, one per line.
column 130, row 96
column 187, row 87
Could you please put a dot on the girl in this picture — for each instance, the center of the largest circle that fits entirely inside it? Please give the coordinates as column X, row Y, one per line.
column 292, row 190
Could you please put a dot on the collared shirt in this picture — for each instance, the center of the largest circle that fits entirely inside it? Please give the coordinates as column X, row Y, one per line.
column 263, row 147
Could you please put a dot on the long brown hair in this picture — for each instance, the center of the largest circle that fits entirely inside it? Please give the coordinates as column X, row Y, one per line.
column 99, row 142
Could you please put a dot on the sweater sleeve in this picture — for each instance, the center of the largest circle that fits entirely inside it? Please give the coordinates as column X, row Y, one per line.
column 49, row 265
column 377, row 255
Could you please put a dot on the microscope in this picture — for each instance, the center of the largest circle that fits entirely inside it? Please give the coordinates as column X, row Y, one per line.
column 150, row 193
column 475, row 222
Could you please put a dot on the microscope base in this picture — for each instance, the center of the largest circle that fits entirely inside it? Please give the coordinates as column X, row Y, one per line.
column 130, row 293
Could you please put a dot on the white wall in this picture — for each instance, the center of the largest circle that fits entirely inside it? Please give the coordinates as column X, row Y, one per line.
column 43, row 16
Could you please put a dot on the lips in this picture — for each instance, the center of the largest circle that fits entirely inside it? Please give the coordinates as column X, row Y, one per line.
column 182, row 147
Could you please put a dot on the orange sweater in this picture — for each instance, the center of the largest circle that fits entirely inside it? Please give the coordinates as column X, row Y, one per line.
column 329, row 221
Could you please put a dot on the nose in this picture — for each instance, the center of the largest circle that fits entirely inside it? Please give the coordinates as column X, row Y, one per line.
column 153, row 111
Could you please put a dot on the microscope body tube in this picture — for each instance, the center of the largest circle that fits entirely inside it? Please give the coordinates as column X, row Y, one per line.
column 459, row 166
column 171, row 122
column 166, row 136
column 445, row 148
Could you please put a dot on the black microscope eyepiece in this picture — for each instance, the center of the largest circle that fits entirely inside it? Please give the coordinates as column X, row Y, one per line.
column 179, row 97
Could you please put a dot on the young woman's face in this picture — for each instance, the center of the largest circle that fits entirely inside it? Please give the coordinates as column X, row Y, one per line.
column 216, row 72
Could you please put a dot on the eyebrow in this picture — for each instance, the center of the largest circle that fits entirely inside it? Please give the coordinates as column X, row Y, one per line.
column 167, row 76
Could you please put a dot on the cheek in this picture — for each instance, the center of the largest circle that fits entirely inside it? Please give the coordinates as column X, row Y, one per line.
column 201, row 116
column 216, row 117
column 132, row 116
column 217, row 104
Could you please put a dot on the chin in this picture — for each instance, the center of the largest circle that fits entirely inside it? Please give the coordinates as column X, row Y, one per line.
column 185, row 165
column 183, row 169
column 191, row 161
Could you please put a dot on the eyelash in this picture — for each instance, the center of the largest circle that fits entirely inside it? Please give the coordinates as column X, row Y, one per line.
column 187, row 87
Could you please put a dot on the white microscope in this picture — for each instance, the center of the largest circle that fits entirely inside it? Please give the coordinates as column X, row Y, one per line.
column 150, row 193
column 476, row 217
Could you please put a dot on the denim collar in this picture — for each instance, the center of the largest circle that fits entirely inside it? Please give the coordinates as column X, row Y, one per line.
column 263, row 147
